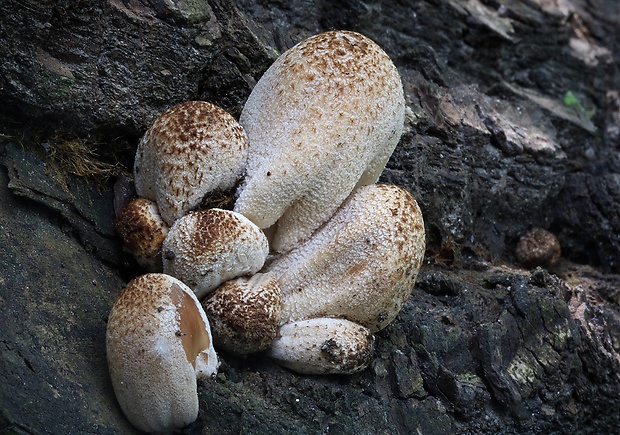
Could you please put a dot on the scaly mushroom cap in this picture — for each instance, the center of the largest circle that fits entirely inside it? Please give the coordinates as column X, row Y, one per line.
column 538, row 247
column 325, row 117
column 245, row 313
column 205, row 248
column 158, row 342
column 323, row 346
column 361, row 265
column 192, row 150
column 143, row 231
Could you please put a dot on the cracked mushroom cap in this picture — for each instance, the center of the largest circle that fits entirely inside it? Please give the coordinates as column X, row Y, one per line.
column 245, row 313
column 158, row 342
column 143, row 231
column 323, row 346
column 208, row 247
column 191, row 151
column 325, row 117
column 361, row 265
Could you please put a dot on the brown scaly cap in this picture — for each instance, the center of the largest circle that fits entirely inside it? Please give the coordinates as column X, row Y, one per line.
column 143, row 231
column 245, row 313
column 191, row 150
column 538, row 247
column 208, row 247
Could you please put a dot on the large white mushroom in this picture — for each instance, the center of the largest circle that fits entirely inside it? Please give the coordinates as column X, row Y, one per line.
column 361, row 265
column 325, row 117
column 158, row 342
column 143, row 231
column 208, row 247
column 192, row 150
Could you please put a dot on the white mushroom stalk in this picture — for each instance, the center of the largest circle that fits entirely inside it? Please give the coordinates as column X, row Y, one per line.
column 325, row 117
column 192, row 150
column 323, row 346
column 158, row 342
column 208, row 247
column 361, row 265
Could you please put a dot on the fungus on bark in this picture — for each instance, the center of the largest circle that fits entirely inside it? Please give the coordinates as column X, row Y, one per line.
column 208, row 247
column 325, row 117
column 323, row 346
column 143, row 231
column 191, row 151
column 538, row 247
column 245, row 313
column 158, row 341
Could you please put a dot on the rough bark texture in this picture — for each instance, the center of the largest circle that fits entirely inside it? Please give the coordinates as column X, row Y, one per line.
column 513, row 123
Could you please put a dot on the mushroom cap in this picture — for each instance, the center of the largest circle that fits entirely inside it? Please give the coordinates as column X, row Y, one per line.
column 325, row 117
column 361, row 265
column 191, row 150
column 158, row 342
column 538, row 247
column 208, row 247
column 323, row 346
column 245, row 313
column 143, row 231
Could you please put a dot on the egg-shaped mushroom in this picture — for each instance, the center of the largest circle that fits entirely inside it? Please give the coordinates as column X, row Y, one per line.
column 325, row 117
column 158, row 341
column 245, row 313
column 143, row 231
column 323, row 346
column 192, row 150
column 361, row 265
column 208, row 247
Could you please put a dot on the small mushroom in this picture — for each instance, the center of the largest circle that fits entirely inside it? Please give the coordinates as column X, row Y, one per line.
column 192, row 150
column 538, row 247
column 361, row 265
column 245, row 313
column 208, row 247
column 158, row 342
column 325, row 117
column 143, row 231
column 323, row 346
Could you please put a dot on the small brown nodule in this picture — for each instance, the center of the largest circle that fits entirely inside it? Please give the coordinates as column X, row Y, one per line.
column 538, row 248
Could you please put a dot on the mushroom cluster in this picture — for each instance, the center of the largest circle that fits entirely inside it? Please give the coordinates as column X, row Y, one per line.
column 312, row 258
